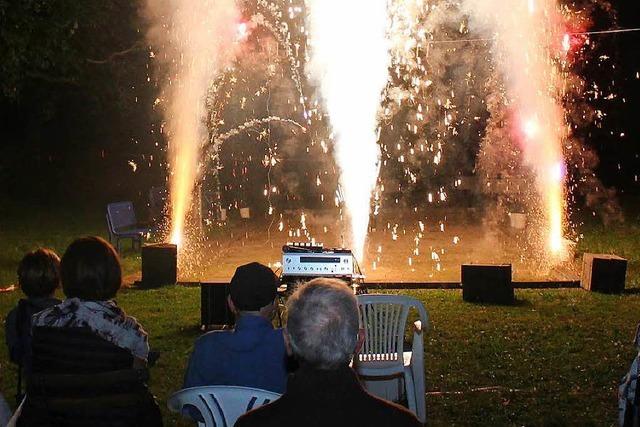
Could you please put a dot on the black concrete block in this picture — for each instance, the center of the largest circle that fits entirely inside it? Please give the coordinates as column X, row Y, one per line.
column 159, row 265
column 603, row 273
column 487, row 283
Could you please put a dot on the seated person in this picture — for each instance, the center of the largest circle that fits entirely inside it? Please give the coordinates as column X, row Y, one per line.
column 253, row 353
column 322, row 333
column 101, row 351
column 38, row 278
column 91, row 277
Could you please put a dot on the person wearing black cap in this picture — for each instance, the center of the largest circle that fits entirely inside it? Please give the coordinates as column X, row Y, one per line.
column 253, row 354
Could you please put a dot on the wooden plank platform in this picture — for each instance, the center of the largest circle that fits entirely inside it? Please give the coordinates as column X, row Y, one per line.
column 554, row 284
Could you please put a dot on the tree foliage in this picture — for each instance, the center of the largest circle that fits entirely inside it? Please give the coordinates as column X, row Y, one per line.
column 37, row 42
column 76, row 98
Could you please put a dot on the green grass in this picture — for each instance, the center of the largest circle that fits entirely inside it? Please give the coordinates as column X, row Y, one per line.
column 24, row 232
column 552, row 359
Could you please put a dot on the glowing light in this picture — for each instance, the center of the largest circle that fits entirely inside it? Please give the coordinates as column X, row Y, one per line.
column 524, row 42
column 531, row 6
column 197, row 44
column 555, row 232
column 557, row 172
column 243, row 31
column 176, row 237
column 531, row 128
column 350, row 60
column 566, row 43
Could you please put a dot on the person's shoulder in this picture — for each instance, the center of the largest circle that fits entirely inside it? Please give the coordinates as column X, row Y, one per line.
column 213, row 338
column 42, row 318
column 36, row 305
column 51, row 302
column 129, row 325
column 392, row 413
column 42, row 302
column 116, row 316
column 11, row 315
column 10, row 324
column 134, row 324
column 403, row 417
column 264, row 416
column 215, row 335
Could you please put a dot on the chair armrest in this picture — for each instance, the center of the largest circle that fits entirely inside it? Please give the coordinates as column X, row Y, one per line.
column 417, row 369
column 417, row 346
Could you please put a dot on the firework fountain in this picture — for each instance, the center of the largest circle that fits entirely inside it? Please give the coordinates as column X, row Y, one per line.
column 361, row 56
column 350, row 60
column 195, row 40
column 525, row 34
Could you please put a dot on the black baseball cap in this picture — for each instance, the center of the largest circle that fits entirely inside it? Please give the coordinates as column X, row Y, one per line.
column 253, row 286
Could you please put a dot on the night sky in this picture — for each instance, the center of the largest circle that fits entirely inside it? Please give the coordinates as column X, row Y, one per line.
column 620, row 161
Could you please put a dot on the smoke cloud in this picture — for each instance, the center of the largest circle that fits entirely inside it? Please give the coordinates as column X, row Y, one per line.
column 191, row 41
column 524, row 36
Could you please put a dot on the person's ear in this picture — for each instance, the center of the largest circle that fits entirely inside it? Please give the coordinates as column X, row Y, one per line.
column 360, row 341
column 287, row 341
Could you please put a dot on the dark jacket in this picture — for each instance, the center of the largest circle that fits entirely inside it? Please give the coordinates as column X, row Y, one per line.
column 18, row 329
column 251, row 355
column 328, row 398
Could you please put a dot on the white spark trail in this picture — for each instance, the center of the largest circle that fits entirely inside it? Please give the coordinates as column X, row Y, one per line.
column 349, row 59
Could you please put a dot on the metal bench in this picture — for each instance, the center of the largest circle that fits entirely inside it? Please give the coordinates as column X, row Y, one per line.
column 122, row 224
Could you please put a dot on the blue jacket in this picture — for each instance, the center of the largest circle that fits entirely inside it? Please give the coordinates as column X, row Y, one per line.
column 251, row 355
column 18, row 329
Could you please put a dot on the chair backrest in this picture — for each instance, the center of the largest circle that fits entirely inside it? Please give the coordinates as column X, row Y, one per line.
column 75, row 351
column 384, row 318
column 221, row 406
column 80, row 379
column 121, row 215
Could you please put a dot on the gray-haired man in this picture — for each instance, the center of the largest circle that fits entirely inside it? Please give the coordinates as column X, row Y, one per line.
column 323, row 334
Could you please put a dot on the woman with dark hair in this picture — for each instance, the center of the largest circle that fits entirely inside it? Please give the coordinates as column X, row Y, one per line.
column 91, row 277
column 89, row 356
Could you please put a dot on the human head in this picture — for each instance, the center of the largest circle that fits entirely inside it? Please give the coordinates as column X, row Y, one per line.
column 90, row 270
column 39, row 273
column 253, row 287
column 322, row 323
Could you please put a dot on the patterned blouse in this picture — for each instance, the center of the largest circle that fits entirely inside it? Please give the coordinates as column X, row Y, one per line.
column 104, row 318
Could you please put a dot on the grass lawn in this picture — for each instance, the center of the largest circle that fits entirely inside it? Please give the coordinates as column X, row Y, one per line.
column 552, row 359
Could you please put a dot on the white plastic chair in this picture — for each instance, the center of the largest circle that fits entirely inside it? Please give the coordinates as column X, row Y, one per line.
column 384, row 318
column 220, row 406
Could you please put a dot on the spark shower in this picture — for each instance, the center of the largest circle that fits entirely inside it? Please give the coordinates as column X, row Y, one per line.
column 349, row 57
